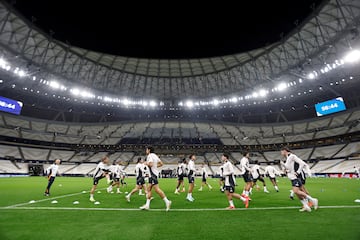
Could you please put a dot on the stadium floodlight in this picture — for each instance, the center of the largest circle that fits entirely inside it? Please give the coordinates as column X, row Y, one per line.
column 263, row 92
column 189, row 104
column 234, row 99
column 282, row 86
column 255, row 95
column 21, row 73
column 152, row 104
column 352, row 56
column 311, row 76
column 75, row 91
column 54, row 84
column 215, row 102
column 144, row 103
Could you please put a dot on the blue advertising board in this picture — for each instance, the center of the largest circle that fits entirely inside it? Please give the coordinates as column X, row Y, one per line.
column 10, row 106
column 329, row 107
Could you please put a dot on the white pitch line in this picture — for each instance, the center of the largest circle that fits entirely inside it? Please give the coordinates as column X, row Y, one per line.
column 48, row 199
column 172, row 210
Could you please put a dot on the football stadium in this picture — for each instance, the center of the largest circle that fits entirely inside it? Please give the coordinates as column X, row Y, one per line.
column 133, row 141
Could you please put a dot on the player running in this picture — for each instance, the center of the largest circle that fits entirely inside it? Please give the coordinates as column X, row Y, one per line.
column 153, row 162
column 102, row 170
column 272, row 172
column 246, row 172
column 140, row 171
column 204, row 175
column 51, row 172
column 255, row 172
column 181, row 173
column 293, row 167
column 191, row 177
column 116, row 172
column 230, row 183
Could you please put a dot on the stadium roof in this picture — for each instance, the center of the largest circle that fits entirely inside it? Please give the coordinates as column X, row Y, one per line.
column 321, row 37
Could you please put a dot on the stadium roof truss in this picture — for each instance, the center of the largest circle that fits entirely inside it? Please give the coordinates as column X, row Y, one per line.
column 323, row 36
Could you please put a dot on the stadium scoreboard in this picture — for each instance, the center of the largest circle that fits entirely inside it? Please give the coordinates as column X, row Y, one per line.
column 330, row 106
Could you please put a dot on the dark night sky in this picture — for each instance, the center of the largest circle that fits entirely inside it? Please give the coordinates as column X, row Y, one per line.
column 172, row 30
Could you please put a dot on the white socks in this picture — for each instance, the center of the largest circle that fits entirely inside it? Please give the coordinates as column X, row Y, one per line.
column 231, row 203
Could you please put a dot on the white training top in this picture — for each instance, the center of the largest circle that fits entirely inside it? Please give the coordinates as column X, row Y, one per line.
column 117, row 170
column 139, row 170
column 293, row 165
column 181, row 169
column 255, row 171
column 244, row 165
column 191, row 166
column 101, row 168
column 357, row 170
column 153, row 158
column 204, row 172
column 52, row 170
column 271, row 171
column 229, row 174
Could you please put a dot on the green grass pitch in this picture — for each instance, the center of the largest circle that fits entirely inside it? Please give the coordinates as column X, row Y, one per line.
column 270, row 216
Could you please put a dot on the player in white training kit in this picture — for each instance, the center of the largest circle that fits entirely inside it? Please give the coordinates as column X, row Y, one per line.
column 153, row 162
column 181, row 173
column 357, row 171
column 116, row 172
column 204, row 175
column 51, row 174
column 255, row 172
column 102, row 170
column 230, row 183
column 293, row 166
column 246, row 172
column 140, row 171
column 191, row 177
column 272, row 172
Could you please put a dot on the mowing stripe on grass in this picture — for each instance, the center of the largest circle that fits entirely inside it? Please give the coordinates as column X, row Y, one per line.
column 173, row 210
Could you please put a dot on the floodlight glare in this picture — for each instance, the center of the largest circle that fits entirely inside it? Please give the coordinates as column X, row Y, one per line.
column 189, row 104
column 282, row 86
column 216, row 102
column 352, row 56
column 75, row 91
column 152, row 103
column 263, row 93
column 21, row 73
column 54, row 84
column 311, row 76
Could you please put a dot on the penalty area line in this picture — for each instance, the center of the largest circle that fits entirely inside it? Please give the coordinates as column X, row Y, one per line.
column 172, row 210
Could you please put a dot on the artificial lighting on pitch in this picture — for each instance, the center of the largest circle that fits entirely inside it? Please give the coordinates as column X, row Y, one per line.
column 311, row 76
column 152, row 104
column 189, row 104
column 282, row 86
column 352, row 56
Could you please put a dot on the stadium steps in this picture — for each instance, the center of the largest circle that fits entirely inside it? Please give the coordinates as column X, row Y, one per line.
column 13, row 162
column 70, row 169
column 333, row 165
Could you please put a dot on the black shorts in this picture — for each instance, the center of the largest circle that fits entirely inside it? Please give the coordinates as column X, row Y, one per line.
column 191, row 179
column 96, row 180
column 140, row 181
column 222, row 179
column 302, row 178
column 296, row 182
column 230, row 189
column 203, row 180
column 247, row 177
column 153, row 180
column 116, row 179
column 181, row 177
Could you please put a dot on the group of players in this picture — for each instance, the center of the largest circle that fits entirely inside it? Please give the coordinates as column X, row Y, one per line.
column 147, row 172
